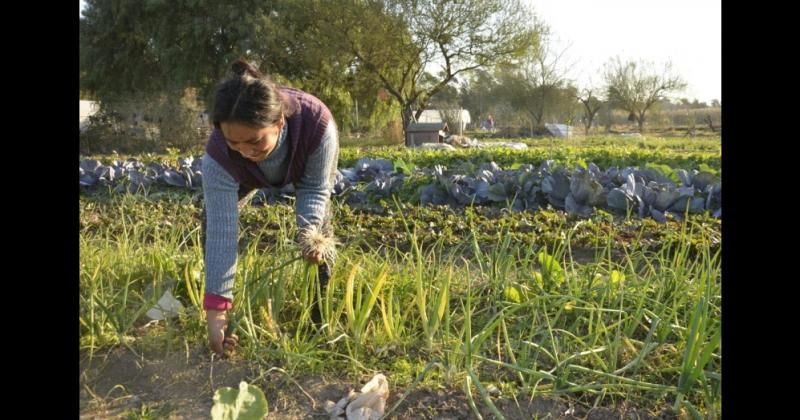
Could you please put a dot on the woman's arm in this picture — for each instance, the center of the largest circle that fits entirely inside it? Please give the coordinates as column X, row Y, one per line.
column 222, row 217
column 313, row 191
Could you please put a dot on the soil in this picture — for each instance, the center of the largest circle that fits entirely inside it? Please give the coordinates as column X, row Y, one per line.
column 180, row 385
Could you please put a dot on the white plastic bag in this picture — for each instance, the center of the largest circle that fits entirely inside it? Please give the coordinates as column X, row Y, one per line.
column 167, row 307
column 369, row 404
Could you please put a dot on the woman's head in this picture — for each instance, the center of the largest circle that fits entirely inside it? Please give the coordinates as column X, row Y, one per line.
column 250, row 111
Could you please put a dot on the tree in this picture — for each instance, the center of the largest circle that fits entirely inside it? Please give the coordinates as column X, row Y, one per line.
column 161, row 47
column 348, row 53
column 478, row 94
column 591, row 105
column 563, row 106
column 636, row 86
column 117, row 56
column 708, row 120
column 537, row 81
column 397, row 40
column 164, row 47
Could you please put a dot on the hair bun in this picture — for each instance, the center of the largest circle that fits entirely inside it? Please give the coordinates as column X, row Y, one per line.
column 241, row 67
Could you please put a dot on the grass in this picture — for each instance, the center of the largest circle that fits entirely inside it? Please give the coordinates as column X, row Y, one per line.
column 491, row 303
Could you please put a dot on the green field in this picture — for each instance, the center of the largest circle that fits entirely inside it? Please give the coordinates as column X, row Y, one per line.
column 491, row 308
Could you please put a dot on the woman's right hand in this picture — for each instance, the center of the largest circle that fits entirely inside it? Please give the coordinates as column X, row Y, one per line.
column 217, row 323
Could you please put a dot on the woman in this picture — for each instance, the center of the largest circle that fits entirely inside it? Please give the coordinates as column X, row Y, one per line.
column 264, row 135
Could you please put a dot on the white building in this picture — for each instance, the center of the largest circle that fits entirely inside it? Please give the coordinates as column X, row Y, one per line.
column 459, row 118
column 87, row 109
column 559, row 130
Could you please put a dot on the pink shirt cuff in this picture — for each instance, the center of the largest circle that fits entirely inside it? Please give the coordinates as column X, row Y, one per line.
column 216, row 302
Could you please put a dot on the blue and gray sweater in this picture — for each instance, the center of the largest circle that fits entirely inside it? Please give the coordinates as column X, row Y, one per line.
column 220, row 189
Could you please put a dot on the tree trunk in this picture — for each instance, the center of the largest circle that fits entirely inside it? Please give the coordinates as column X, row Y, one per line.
column 407, row 119
column 540, row 115
column 710, row 123
column 589, row 121
column 587, row 124
column 532, row 120
column 538, row 120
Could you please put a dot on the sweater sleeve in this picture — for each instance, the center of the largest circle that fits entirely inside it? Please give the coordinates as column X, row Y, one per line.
column 222, row 230
column 313, row 190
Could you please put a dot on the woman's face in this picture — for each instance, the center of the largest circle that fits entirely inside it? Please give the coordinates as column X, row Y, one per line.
column 251, row 142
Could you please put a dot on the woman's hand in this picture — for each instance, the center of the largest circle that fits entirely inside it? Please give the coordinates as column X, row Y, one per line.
column 217, row 323
column 312, row 256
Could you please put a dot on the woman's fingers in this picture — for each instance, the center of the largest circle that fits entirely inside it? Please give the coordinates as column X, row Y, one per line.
column 217, row 322
column 230, row 342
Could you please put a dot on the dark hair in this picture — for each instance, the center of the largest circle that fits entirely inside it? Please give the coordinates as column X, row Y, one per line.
column 248, row 97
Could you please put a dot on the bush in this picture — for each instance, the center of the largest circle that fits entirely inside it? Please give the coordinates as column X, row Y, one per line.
column 145, row 124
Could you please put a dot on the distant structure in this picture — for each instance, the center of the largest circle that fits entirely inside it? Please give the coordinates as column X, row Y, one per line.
column 458, row 118
column 87, row 109
column 419, row 133
column 559, row 130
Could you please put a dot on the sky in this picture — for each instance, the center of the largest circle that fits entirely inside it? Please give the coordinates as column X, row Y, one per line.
column 686, row 33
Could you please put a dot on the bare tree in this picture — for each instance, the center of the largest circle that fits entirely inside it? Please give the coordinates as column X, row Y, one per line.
column 710, row 123
column 535, row 82
column 545, row 75
column 636, row 86
column 592, row 104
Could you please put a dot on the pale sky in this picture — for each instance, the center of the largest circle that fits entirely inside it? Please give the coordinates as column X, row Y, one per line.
column 685, row 32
